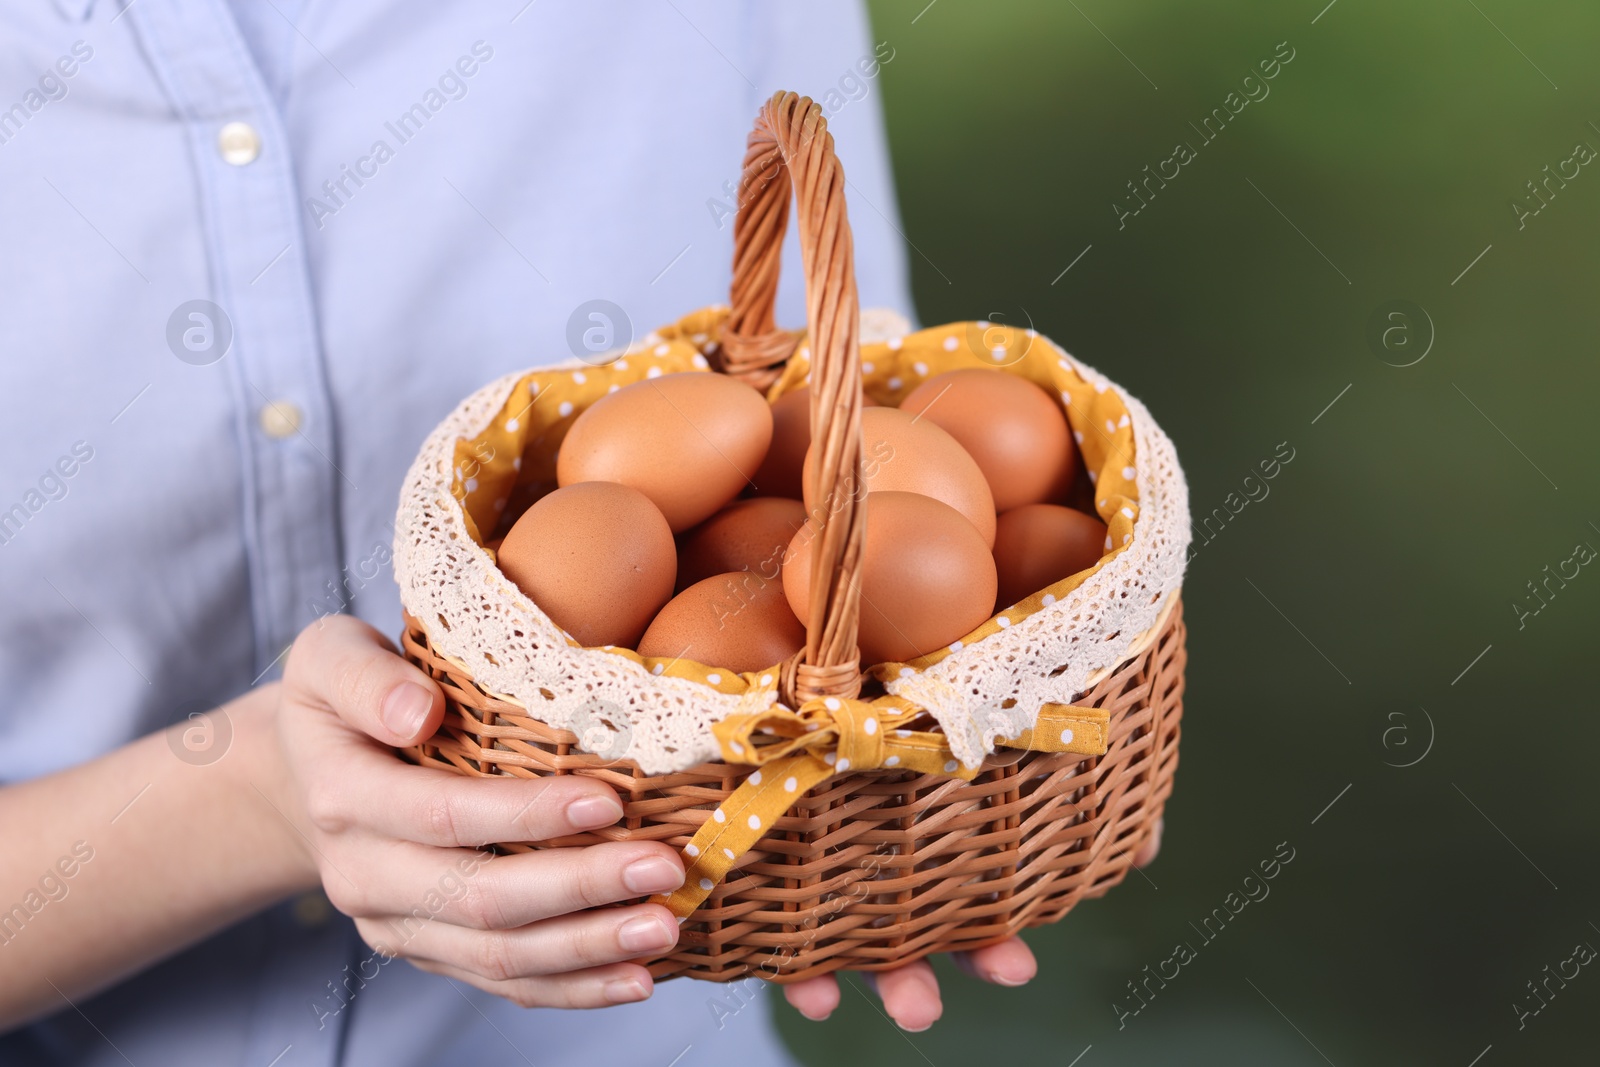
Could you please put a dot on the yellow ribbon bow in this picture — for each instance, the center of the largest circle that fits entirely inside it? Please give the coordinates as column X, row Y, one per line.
column 793, row 751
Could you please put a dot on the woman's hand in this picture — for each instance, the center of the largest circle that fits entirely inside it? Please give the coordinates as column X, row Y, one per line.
column 910, row 994
column 398, row 846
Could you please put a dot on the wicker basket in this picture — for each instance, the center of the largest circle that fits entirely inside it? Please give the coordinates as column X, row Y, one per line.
column 873, row 868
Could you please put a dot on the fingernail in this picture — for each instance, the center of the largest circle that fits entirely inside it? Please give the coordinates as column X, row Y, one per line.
column 653, row 874
column 592, row 812
column 406, row 708
column 625, row 990
column 915, row 1029
column 645, row 933
column 1005, row 979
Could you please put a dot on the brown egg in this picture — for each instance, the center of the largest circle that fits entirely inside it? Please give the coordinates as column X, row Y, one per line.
column 736, row 620
column 689, row 442
column 1039, row 544
column 901, row 453
column 747, row 535
column 927, row 577
column 779, row 474
column 791, row 436
column 597, row 557
column 1010, row 426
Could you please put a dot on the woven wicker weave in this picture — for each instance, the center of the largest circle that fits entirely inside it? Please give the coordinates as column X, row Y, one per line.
column 870, row 870
column 873, row 869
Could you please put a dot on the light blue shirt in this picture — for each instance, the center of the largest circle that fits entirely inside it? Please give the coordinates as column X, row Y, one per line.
column 418, row 198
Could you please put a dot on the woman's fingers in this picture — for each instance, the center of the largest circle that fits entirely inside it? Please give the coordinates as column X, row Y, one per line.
column 597, row 987
column 343, row 664
column 1152, row 845
column 1010, row 963
column 815, row 998
column 374, row 791
column 397, row 844
column 910, row 995
column 344, row 667
column 414, row 884
column 569, row 943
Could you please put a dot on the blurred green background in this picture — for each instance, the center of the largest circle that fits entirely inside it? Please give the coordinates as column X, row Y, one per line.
column 1332, row 621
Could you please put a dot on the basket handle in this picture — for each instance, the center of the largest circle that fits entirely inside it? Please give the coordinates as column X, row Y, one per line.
column 791, row 147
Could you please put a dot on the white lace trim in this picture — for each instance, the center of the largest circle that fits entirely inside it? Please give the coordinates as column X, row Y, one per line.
column 620, row 709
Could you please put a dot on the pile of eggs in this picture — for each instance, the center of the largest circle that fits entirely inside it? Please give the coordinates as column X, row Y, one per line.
column 680, row 526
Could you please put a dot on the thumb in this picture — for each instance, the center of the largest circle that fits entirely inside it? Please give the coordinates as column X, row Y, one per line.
column 344, row 665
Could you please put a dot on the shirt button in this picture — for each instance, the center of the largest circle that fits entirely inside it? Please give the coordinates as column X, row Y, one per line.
column 312, row 910
column 239, row 143
column 280, row 419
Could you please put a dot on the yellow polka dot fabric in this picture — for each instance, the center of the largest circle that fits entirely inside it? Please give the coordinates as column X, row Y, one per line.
column 512, row 462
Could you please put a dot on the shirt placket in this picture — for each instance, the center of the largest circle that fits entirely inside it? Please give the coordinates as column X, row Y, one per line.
column 291, row 484
column 248, row 210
